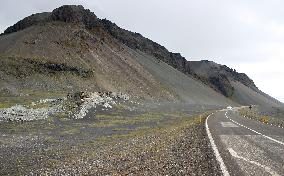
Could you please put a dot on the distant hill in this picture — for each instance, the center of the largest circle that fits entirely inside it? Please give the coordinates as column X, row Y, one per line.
column 71, row 49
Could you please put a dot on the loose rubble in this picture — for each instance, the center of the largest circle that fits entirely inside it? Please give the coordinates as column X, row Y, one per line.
column 87, row 101
column 21, row 113
column 84, row 102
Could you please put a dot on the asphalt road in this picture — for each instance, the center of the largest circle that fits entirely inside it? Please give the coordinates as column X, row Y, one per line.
column 244, row 146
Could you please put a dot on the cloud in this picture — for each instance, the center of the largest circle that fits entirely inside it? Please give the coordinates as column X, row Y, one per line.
column 246, row 35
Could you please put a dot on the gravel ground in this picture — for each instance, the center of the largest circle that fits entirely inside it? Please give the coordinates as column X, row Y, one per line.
column 177, row 145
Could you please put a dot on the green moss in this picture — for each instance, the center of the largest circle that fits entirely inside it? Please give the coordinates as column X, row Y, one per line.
column 51, row 140
column 114, row 120
column 40, row 94
column 28, row 97
column 121, row 129
column 70, row 131
column 120, row 106
column 5, row 105
column 31, row 127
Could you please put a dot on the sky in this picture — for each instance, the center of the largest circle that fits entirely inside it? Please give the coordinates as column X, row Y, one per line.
column 247, row 35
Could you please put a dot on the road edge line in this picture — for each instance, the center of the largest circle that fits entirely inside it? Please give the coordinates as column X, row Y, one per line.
column 266, row 168
column 270, row 138
column 215, row 150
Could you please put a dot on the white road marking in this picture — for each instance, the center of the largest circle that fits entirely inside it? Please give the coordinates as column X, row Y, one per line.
column 215, row 149
column 229, row 124
column 266, row 168
column 279, row 142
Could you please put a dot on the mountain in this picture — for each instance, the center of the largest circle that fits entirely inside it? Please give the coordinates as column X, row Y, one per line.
column 70, row 49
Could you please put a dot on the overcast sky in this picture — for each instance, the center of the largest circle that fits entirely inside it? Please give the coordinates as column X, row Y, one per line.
column 247, row 35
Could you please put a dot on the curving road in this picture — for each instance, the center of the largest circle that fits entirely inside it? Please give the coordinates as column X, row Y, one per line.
column 244, row 146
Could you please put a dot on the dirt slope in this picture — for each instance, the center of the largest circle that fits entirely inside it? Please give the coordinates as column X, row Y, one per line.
column 237, row 86
column 247, row 96
column 68, row 63
column 59, row 56
column 186, row 88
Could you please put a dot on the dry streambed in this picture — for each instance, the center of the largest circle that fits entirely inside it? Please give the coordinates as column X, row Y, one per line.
column 119, row 142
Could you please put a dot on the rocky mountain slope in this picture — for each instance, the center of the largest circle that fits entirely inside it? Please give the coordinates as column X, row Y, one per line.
column 215, row 75
column 71, row 49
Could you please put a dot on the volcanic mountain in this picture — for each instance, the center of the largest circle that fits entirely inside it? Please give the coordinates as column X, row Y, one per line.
column 71, row 49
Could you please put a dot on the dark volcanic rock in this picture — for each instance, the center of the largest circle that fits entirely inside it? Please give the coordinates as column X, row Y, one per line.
column 66, row 13
column 75, row 14
column 137, row 41
column 219, row 76
column 34, row 19
column 222, row 84
column 23, row 67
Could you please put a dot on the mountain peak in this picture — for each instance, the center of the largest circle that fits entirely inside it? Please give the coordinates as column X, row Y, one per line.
column 73, row 13
column 65, row 13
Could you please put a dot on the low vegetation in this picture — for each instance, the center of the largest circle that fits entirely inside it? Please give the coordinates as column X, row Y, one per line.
column 268, row 117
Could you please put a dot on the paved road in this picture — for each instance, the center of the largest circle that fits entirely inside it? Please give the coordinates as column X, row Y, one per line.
column 247, row 147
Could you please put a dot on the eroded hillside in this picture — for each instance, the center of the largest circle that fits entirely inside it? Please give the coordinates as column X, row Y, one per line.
column 71, row 49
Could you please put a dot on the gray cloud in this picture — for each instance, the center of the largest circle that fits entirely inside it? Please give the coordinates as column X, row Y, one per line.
column 246, row 35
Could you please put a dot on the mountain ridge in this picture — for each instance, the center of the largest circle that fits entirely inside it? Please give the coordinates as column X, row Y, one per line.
column 219, row 77
column 77, row 14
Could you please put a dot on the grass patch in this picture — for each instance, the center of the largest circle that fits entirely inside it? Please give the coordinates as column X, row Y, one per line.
column 26, row 97
column 121, row 129
column 180, row 121
column 114, row 120
column 51, row 140
column 120, row 107
column 71, row 131
column 26, row 127
column 4, row 105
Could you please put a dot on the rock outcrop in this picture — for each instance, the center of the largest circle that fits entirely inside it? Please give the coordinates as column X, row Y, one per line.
column 66, row 13
column 75, row 14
